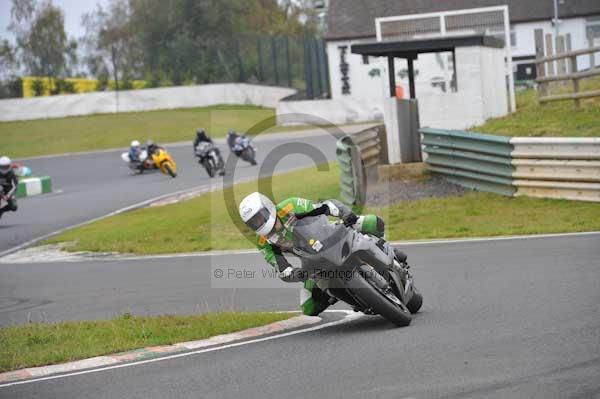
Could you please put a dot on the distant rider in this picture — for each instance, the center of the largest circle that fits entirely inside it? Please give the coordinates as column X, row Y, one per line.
column 152, row 147
column 202, row 137
column 233, row 141
column 135, row 151
column 232, row 137
column 9, row 183
column 274, row 225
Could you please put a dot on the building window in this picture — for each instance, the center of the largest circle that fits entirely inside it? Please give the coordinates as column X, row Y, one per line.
column 592, row 28
column 513, row 37
column 344, row 70
column 365, row 59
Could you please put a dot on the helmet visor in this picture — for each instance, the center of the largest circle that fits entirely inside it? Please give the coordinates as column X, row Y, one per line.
column 5, row 168
column 258, row 220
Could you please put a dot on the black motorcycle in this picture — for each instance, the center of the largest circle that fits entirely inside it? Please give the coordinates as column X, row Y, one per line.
column 209, row 157
column 343, row 263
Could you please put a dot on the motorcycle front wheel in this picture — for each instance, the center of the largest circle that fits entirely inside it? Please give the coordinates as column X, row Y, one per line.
column 248, row 155
column 415, row 302
column 209, row 168
column 381, row 301
column 169, row 170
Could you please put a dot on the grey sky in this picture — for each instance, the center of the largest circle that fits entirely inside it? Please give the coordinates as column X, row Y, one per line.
column 73, row 10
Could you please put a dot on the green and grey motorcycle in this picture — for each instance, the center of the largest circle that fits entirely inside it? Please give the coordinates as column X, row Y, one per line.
column 356, row 268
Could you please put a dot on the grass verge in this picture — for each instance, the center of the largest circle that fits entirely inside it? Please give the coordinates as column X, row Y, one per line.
column 555, row 119
column 94, row 132
column 478, row 214
column 43, row 344
column 200, row 224
column 204, row 224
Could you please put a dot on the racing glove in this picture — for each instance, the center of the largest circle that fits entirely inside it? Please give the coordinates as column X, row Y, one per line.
column 350, row 219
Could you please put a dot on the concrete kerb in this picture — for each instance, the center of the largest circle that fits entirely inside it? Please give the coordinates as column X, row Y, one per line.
column 158, row 351
column 31, row 186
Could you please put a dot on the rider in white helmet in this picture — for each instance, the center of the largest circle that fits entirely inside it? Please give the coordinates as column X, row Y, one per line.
column 8, row 185
column 274, row 224
column 134, row 151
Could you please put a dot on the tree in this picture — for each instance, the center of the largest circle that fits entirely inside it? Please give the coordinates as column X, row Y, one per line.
column 181, row 41
column 109, row 41
column 10, row 84
column 8, row 60
column 41, row 38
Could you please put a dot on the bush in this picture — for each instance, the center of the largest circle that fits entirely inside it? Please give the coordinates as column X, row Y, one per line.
column 15, row 88
column 38, row 87
column 11, row 88
column 126, row 84
column 64, row 86
column 68, row 87
column 102, row 84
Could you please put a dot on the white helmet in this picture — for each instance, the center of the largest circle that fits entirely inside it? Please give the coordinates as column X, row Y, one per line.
column 259, row 213
column 135, row 143
column 5, row 164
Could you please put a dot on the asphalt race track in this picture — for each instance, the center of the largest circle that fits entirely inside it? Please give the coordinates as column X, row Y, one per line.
column 92, row 185
column 501, row 319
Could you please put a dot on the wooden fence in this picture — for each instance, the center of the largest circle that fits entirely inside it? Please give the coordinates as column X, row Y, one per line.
column 566, row 67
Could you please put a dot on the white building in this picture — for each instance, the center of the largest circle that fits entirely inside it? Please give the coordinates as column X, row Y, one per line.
column 355, row 77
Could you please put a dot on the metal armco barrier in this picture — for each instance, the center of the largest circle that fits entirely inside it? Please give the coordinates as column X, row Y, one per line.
column 358, row 156
column 557, row 167
column 566, row 168
column 556, row 148
column 559, row 170
column 478, row 161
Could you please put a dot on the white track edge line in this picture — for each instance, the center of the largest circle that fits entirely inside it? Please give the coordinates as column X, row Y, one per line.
column 252, row 251
column 395, row 243
column 205, row 189
column 498, row 238
column 350, row 316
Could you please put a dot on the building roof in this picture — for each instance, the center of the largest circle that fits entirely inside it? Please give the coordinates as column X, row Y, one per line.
column 403, row 49
column 353, row 19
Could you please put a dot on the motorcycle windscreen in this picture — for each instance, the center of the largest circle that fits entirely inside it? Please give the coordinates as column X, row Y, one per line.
column 204, row 147
column 317, row 234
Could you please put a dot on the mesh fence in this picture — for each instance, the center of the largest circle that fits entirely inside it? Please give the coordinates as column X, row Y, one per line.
column 490, row 23
column 411, row 29
column 484, row 22
column 300, row 63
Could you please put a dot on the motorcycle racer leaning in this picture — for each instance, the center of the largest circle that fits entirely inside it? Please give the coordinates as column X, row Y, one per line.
column 152, row 147
column 202, row 137
column 274, row 225
column 134, row 151
column 8, row 185
column 232, row 136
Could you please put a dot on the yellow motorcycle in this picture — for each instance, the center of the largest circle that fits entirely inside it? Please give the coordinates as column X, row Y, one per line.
column 164, row 162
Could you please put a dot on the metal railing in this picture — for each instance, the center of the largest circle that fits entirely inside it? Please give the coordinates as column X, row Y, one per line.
column 478, row 161
column 359, row 156
column 547, row 167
